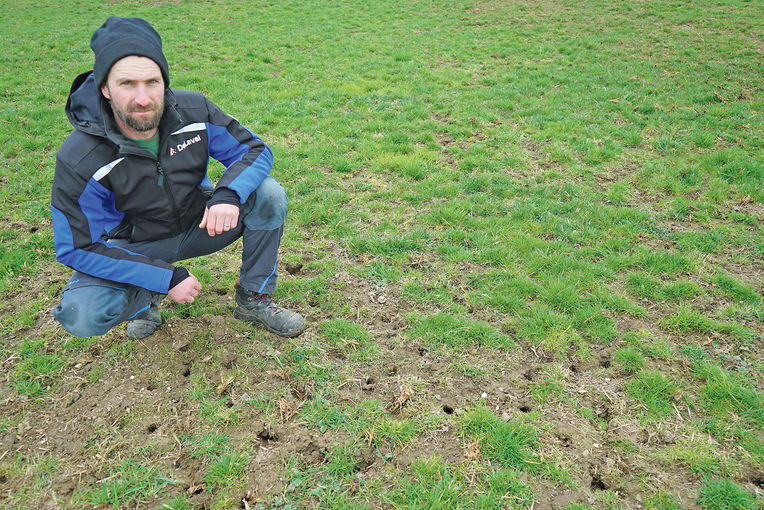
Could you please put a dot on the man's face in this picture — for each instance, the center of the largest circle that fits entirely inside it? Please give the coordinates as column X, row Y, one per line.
column 135, row 89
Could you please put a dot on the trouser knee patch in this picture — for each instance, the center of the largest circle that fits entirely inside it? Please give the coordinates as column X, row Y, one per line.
column 90, row 310
column 270, row 206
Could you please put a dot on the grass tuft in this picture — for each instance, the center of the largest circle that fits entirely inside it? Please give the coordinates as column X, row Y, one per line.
column 454, row 332
column 508, row 443
column 128, row 483
column 725, row 495
column 655, row 392
column 225, row 471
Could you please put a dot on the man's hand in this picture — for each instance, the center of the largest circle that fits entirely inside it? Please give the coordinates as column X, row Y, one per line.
column 220, row 218
column 185, row 291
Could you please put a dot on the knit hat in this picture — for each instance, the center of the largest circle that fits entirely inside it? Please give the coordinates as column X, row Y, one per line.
column 120, row 37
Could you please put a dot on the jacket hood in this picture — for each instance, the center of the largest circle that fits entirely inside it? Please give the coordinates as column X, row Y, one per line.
column 83, row 106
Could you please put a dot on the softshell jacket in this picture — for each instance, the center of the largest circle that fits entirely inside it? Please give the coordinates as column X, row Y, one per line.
column 107, row 187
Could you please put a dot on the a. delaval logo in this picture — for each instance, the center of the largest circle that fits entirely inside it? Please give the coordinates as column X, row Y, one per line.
column 183, row 145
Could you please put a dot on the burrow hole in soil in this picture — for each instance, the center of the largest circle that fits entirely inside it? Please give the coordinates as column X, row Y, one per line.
column 199, row 490
column 152, row 428
column 525, row 409
column 245, row 501
column 605, row 363
column 448, row 409
column 370, row 380
column 598, row 484
column 267, row 435
column 186, row 372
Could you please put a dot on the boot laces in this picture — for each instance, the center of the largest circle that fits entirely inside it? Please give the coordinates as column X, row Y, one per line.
column 265, row 299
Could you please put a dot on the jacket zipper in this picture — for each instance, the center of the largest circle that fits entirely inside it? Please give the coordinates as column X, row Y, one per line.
column 161, row 181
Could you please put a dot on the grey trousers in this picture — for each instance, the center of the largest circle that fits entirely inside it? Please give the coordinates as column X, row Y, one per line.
column 91, row 306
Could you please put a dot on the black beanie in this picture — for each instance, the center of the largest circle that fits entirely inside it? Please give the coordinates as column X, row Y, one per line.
column 120, row 37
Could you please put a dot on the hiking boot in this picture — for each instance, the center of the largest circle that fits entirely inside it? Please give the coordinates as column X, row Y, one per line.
column 141, row 328
column 255, row 307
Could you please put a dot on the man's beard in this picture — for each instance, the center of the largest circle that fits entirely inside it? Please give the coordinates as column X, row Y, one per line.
column 142, row 125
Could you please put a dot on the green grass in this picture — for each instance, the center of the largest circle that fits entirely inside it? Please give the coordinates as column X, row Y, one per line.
column 556, row 204
column 630, row 359
column 655, row 392
column 209, row 444
column 726, row 392
column 352, row 419
column 509, row 444
column 350, row 338
column 225, row 471
column 128, row 482
column 432, row 485
column 507, row 485
column 736, row 290
column 452, row 332
column 37, row 369
column 725, row 495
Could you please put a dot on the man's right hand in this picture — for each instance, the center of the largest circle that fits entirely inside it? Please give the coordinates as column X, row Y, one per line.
column 185, row 291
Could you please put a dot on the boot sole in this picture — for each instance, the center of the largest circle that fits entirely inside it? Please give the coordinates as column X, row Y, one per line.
column 244, row 316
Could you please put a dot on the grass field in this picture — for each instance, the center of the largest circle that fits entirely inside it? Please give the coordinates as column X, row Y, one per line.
column 527, row 237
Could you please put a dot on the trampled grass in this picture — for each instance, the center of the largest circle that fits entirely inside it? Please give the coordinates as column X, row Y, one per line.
column 527, row 237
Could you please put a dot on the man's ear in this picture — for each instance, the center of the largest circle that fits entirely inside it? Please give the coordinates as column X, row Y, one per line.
column 105, row 91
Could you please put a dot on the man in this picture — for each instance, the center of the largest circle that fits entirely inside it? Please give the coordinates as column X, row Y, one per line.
column 131, row 194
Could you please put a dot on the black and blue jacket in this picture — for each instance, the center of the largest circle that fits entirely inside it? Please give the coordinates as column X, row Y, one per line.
column 106, row 187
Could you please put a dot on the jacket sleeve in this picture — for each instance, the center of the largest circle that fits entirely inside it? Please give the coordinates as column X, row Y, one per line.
column 248, row 160
column 82, row 210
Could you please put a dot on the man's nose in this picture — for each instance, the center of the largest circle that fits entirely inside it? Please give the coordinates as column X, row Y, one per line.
column 142, row 97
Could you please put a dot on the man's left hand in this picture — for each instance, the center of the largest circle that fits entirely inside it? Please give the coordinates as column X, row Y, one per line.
column 220, row 218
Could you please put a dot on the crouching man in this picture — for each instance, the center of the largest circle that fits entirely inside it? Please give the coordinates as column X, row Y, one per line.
column 131, row 196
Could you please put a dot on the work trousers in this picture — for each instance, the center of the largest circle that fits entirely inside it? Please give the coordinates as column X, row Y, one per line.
column 91, row 306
